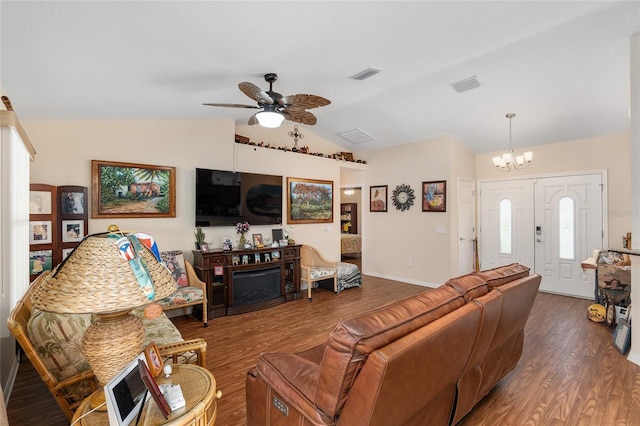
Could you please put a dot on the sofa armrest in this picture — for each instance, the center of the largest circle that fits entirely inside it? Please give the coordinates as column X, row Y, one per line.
column 175, row 350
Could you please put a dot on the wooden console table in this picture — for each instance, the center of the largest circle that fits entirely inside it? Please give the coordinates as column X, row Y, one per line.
column 216, row 268
column 198, row 388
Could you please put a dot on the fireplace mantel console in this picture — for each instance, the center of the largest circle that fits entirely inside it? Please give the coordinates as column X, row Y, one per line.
column 241, row 281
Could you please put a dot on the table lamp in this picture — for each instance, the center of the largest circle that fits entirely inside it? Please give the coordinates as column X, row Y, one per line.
column 107, row 275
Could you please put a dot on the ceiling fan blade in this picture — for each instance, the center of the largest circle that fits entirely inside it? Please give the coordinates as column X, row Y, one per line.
column 304, row 101
column 233, row 105
column 300, row 116
column 255, row 93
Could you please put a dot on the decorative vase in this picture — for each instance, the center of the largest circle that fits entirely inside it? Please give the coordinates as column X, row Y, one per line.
column 243, row 241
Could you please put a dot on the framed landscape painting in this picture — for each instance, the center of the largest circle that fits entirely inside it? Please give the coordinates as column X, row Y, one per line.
column 132, row 190
column 309, row 201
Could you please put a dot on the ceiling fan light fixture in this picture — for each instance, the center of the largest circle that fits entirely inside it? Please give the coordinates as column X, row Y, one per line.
column 269, row 119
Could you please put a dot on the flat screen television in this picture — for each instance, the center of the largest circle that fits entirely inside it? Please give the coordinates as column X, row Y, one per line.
column 225, row 198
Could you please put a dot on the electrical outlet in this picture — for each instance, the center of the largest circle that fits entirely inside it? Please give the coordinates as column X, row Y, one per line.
column 409, row 263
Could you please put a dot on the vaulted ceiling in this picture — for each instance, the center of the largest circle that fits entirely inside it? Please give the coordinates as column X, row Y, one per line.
column 561, row 66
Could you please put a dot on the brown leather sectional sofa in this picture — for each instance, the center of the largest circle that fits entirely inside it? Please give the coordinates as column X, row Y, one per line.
column 424, row 360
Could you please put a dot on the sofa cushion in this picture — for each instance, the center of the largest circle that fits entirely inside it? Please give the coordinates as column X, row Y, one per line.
column 503, row 274
column 354, row 339
column 319, row 272
column 183, row 295
column 470, row 286
column 58, row 338
column 174, row 261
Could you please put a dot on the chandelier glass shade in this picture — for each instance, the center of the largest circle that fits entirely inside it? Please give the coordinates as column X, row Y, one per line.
column 509, row 160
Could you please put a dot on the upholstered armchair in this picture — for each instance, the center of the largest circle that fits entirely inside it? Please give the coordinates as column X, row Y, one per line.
column 190, row 290
column 52, row 341
column 315, row 268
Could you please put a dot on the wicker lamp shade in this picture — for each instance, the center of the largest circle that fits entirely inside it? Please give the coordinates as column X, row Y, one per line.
column 95, row 278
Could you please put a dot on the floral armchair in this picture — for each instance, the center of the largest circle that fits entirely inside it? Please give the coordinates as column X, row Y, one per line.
column 190, row 290
column 52, row 344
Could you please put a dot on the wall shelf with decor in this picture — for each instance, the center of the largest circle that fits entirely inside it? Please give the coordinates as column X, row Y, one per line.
column 349, row 218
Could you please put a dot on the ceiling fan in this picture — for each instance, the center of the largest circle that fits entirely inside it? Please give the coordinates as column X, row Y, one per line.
column 275, row 107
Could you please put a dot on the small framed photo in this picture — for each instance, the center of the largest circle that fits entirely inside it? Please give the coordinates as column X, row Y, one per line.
column 226, row 243
column 219, row 270
column 378, row 198
column 39, row 202
column 72, row 231
column 40, row 232
column 66, row 252
column 72, row 202
column 622, row 336
column 40, row 261
column 257, row 240
column 204, row 247
column 154, row 361
column 434, row 196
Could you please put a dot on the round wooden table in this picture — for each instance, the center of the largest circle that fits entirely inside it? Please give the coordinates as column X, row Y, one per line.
column 198, row 388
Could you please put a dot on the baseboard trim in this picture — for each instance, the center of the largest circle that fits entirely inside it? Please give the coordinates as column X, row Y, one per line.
column 11, row 379
column 404, row 280
column 634, row 358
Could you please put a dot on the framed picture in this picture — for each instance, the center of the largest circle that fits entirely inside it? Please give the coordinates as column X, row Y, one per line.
column 226, row 243
column 257, row 240
column 434, row 196
column 154, row 360
column 66, row 252
column 622, row 336
column 204, row 247
column 40, row 232
column 132, row 190
column 378, row 198
column 309, row 201
column 39, row 202
column 72, row 231
column 72, row 202
column 40, row 261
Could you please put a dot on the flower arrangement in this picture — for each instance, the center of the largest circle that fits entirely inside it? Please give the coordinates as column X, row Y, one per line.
column 242, row 227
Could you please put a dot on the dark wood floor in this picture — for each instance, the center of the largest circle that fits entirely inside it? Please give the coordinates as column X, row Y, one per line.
column 569, row 374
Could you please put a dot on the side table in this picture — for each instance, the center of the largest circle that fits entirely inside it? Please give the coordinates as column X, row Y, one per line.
column 198, row 388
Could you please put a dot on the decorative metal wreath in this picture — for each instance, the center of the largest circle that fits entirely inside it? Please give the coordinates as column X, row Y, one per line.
column 403, row 197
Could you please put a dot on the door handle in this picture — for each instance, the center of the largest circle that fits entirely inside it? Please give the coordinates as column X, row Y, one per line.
column 539, row 240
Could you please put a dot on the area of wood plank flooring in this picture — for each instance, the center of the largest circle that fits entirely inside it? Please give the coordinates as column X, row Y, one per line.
column 569, row 373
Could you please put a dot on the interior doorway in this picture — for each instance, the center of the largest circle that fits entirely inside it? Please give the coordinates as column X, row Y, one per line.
column 351, row 209
column 550, row 224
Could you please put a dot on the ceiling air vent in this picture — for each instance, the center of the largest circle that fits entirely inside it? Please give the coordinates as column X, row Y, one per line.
column 466, row 84
column 356, row 136
column 369, row 72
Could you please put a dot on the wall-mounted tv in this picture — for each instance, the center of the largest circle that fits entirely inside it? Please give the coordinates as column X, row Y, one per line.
column 225, row 198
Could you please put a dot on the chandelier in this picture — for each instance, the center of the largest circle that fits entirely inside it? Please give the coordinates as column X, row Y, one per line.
column 509, row 160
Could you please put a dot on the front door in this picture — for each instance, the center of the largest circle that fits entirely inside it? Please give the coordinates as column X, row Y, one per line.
column 568, row 228
column 549, row 224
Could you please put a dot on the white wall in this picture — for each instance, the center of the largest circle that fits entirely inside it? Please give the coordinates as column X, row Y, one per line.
column 395, row 238
column 66, row 149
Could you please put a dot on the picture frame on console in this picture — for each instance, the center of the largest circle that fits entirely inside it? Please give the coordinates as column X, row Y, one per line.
column 309, row 201
column 154, row 360
column 257, row 240
column 132, row 190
